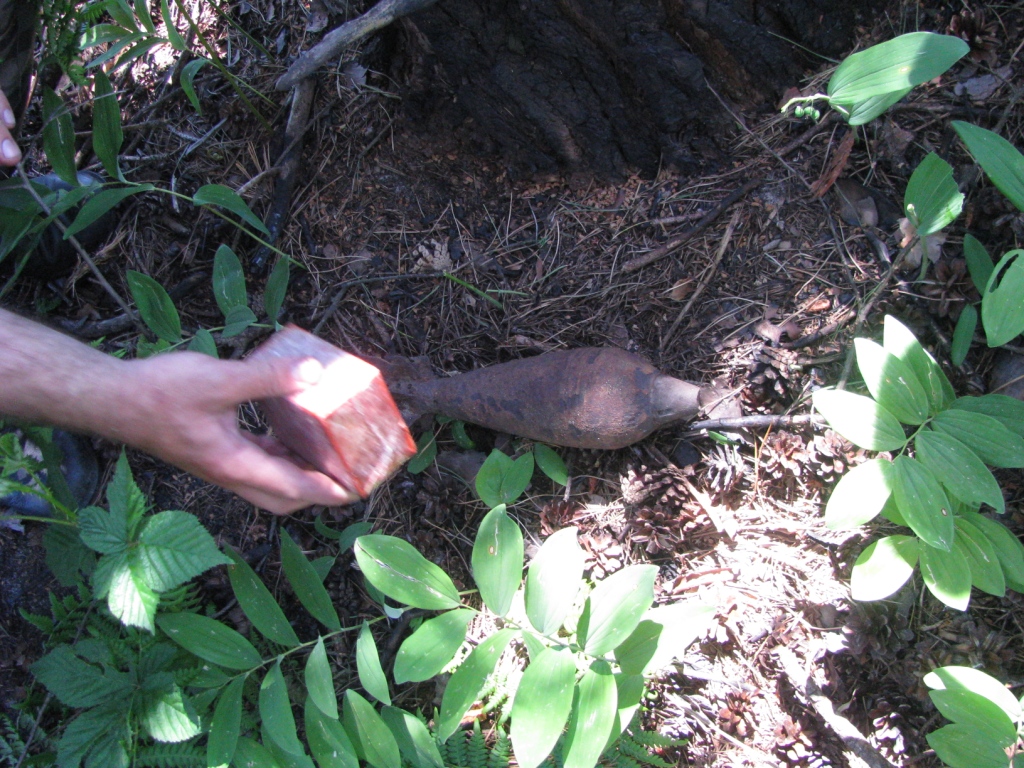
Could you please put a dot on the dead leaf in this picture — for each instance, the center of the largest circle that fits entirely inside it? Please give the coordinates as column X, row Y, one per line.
column 930, row 245
column 682, row 289
column 855, row 204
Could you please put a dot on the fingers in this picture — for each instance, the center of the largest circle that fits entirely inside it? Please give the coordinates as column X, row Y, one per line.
column 10, row 154
column 274, row 377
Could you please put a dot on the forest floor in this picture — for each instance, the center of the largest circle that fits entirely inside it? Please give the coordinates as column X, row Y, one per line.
column 763, row 301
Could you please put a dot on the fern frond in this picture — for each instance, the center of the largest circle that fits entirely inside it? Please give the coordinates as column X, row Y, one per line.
column 500, row 752
column 183, row 755
column 476, row 748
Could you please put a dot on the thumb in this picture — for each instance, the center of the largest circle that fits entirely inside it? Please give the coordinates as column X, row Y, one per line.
column 276, row 377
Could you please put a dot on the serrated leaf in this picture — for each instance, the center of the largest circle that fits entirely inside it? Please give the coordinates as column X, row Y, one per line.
column 395, row 568
column 1001, row 311
column 551, row 463
column 276, row 288
column 155, row 306
column 414, row 740
column 320, row 680
column 175, row 547
column 98, row 732
column 932, row 199
column 958, row 746
column 979, row 263
column 223, row 197
column 860, row 420
column 100, row 203
column 974, row 680
column 947, row 576
column 426, row 452
column 107, row 136
column 899, row 341
column 102, row 531
column 891, row 382
column 922, row 502
column 203, row 342
column 987, row 437
column 1001, row 161
column 552, row 581
column 307, row 585
column 188, row 76
column 431, row 647
column 276, row 711
column 210, row 640
column 465, row 685
column 883, row 567
column 258, row 604
column 237, row 320
column 129, row 596
column 328, row 740
column 542, row 705
column 963, row 334
column 75, row 682
column 498, row 560
column 1008, row 411
column 226, row 724
column 963, row 474
column 1008, row 547
column 593, row 717
column 616, row 606
column 371, row 676
column 228, row 281
column 168, row 717
column 986, row 570
column 370, row 735
column 59, row 137
column 859, row 495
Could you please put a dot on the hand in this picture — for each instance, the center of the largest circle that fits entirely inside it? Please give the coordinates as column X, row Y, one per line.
column 183, row 408
column 10, row 154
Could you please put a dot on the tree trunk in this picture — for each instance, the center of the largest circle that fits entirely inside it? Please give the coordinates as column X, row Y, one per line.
column 607, row 86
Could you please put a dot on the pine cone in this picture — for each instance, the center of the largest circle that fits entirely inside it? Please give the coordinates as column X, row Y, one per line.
column 970, row 26
column 556, row 515
column 604, row 553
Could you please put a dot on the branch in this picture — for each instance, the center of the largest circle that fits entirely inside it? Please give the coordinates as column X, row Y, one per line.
column 757, row 421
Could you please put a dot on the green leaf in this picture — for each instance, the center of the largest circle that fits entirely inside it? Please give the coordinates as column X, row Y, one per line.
column 328, row 740
column 426, row 452
column 97, row 731
column 979, row 263
column 66, row 555
column 963, row 334
column 155, row 306
column 550, row 463
column 629, row 691
column 542, row 705
column 75, row 682
column 1001, row 161
column 168, row 717
column 995, row 444
column 177, row 42
column 962, row 472
column 975, row 681
column 1006, row 410
column 100, row 203
column 129, row 596
column 107, row 136
column 258, row 604
column 59, row 137
column 859, row 495
column 188, row 76
column 431, row 647
column 369, row 733
column 1001, row 311
column 124, row 497
column 414, row 740
column 891, row 382
column 252, row 754
column 883, row 567
column 932, row 199
column 498, row 560
column 222, row 197
column 228, row 281
column 276, row 711
column 395, row 568
column 986, row 570
column 593, row 717
column 922, row 502
column 203, row 342
column 371, row 676
column 307, row 585
column 175, row 547
column 663, row 636
column 465, row 685
column 947, row 576
column 860, row 420
column 237, row 320
column 320, row 680
column 210, row 640
column 502, row 480
column 352, row 532
column 462, row 439
column 958, row 746
column 865, row 111
column 276, row 288
column 102, row 531
column 1008, row 547
column 616, row 606
column 226, row 724
column 552, row 581
column 899, row 341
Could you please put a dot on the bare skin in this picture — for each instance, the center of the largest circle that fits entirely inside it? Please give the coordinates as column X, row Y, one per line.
column 10, row 153
column 181, row 407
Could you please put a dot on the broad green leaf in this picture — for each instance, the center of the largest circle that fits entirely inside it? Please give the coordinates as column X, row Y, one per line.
column 1008, row 547
column 223, row 197
column 98, row 731
column 502, row 480
column 883, row 567
column 995, row 445
column 414, row 740
column 328, row 740
column 963, row 474
column 1008, row 411
column 431, row 647
column 168, row 717
column 370, row 735
column 100, row 203
column 226, row 725
column 860, row 420
column 252, row 754
column 861, row 112
column 103, row 531
column 498, row 560
column 142, row 14
column 663, row 636
column 535, row 646
column 986, row 570
column 177, row 42
column 371, row 676
column 616, row 606
column 542, row 705
column 891, row 382
column 276, row 288
column 210, row 640
column 465, row 685
column 237, row 320
column 395, row 568
column 276, row 711
column 1001, row 161
column 859, row 495
column 155, row 306
column 932, row 199
column 922, row 502
column 66, row 555
column 59, row 137
column 1002, row 313
column 593, row 717
column 228, row 281
column 258, row 604
column 107, row 136
column 175, row 547
column 426, row 452
column 307, row 585
column 461, row 437
column 629, row 691
column 77, row 683
column 898, row 340
column 323, row 565
column 129, row 597
column 958, row 746
column 974, row 680
column 352, row 532
column 552, row 581
column 963, row 334
column 550, row 463
column 979, row 263
column 203, row 342
column 320, row 680
column 188, row 76
column 947, row 576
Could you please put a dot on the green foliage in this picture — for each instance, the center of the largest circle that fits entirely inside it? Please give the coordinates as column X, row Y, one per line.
column 938, row 491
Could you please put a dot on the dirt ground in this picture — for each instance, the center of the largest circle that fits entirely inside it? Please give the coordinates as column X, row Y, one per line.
column 762, row 301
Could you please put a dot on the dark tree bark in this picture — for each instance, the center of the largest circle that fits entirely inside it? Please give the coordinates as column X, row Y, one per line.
column 606, row 86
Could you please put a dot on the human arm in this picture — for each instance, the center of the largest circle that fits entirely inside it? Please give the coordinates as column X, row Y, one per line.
column 181, row 407
column 10, row 154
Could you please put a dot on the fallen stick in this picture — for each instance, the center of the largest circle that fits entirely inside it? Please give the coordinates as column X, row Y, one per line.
column 757, row 421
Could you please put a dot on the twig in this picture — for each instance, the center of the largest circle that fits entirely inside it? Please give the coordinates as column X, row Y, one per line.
column 758, row 421
column 335, row 41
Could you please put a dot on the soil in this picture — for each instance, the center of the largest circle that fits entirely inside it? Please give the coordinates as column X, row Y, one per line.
column 383, row 208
